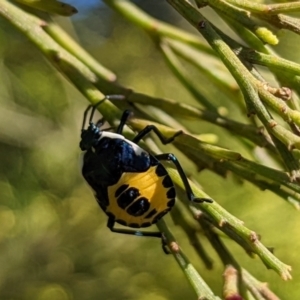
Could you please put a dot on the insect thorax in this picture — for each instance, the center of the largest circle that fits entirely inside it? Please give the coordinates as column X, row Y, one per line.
column 113, row 155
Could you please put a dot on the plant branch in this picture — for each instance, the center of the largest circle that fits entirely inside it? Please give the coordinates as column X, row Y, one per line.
column 154, row 27
column 243, row 78
column 200, row 287
column 271, row 9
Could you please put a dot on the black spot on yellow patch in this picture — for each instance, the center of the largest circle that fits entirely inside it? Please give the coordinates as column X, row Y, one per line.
column 121, row 189
column 128, row 197
column 151, row 213
column 160, row 170
column 171, row 193
column 139, row 207
column 171, row 203
column 160, row 215
column 167, row 182
column 146, row 224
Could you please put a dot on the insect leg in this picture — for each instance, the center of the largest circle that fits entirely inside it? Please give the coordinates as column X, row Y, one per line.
column 124, row 118
column 188, row 189
column 150, row 128
column 111, row 224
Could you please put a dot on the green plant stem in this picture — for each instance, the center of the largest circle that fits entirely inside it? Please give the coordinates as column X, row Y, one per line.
column 286, row 137
column 66, row 42
column 188, row 144
column 251, row 171
column 242, row 76
column 230, row 287
column 244, row 18
column 271, row 61
column 80, row 75
column 183, row 76
column 178, row 217
column 233, row 228
column 230, row 282
column 258, row 288
column 52, row 7
column 236, row 68
column 227, row 155
column 200, row 287
column 266, row 8
column 32, row 27
column 247, row 35
column 282, row 22
column 225, row 84
column 272, row 13
column 276, row 64
column 217, row 244
column 154, row 27
column 191, row 144
column 182, row 110
column 237, row 231
column 245, row 173
column 220, row 218
column 85, row 80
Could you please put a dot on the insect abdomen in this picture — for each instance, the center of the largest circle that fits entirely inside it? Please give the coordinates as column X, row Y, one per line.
column 141, row 199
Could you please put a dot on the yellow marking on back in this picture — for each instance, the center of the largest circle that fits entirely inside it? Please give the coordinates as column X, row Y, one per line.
column 149, row 185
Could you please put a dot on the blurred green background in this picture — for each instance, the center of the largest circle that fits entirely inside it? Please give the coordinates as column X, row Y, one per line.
column 54, row 243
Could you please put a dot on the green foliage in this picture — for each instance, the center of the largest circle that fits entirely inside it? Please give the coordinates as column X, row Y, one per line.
column 51, row 6
column 240, row 124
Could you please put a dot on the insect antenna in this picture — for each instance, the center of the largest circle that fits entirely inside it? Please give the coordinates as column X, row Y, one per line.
column 94, row 107
column 85, row 115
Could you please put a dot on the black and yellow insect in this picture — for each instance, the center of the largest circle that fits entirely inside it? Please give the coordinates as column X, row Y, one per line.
column 131, row 186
